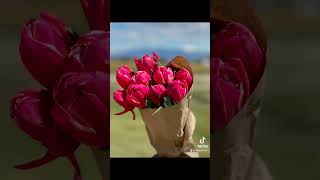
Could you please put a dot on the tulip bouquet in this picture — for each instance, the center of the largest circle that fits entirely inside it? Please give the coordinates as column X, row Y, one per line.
column 238, row 78
column 162, row 94
column 238, row 65
column 72, row 107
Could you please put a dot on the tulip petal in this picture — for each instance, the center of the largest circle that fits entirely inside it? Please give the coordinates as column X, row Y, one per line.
column 81, row 107
column 234, row 40
column 44, row 48
column 36, row 163
column 125, row 111
column 72, row 126
column 43, row 61
column 27, row 110
column 90, row 53
column 97, row 14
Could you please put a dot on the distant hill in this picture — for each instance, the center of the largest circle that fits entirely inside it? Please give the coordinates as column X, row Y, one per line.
column 164, row 54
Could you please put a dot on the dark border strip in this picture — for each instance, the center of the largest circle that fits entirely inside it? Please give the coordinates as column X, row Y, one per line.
column 160, row 11
column 160, row 168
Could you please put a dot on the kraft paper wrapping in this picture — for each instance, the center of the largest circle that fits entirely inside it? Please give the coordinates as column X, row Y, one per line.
column 170, row 129
column 233, row 156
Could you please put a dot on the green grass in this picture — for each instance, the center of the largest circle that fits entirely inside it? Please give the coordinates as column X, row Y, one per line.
column 129, row 138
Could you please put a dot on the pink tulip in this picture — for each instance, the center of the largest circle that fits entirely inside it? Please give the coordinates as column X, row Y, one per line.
column 137, row 95
column 157, row 92
column 177, row 90
column 97, row 13
column 44, row 48
column 237, row 66
column 81, row 107
column 120, row 97
column 147, row 64
column 231, row 90
column 90, row 53
column 237, row 41
column 31, row 112
column 155, row 56
column 163, row 75
column 124, row 76
column 184, row 75
column 141, row 77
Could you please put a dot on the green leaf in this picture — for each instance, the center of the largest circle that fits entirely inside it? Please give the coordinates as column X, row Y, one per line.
column 155, row 112
column 157, row 62
column 149, row 104
column 167, row 101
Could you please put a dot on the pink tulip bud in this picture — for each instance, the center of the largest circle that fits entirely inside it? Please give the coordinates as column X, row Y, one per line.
column 177, row 90
column 141, row 77
column 31, row 112
column 44, row 48
column 124, row 76
column 147, row 64
column 238, row 64
column 90, row 53
column 155, row 56
column 184, row 75
column 120, row 97
column 97, row 14
column 234, row 40
column 137, row 95
column 81, row 107
column 163, row 75
column 231, row 90
column 157, row 92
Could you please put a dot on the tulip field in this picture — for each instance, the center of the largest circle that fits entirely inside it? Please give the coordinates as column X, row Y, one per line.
column 129, row 137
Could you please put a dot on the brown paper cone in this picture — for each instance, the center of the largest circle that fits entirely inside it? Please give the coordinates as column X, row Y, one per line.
column 170, row 129
column 233, row 156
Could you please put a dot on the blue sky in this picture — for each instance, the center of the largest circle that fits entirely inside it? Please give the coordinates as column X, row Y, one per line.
column 190, row 37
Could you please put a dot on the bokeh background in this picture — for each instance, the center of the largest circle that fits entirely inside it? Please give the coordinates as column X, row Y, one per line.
column 288, row 130
column 17, row 147
column 191, row 40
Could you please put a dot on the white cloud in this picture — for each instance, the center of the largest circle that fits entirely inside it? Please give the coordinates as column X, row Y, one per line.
column 188, row 36
column 188, row 48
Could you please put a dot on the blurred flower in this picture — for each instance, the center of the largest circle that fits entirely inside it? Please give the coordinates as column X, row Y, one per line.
column 233, row 40
column 124, row 76
column 157, row 92
column 238, row 64
column 120, row 97
column 230, row 92
column 90, row 53
column 184, row 75
column 44, row 47
column 163, row 75
column 177, row 90
column 147, row 64
column 75, row 70
column 141, row 77
column 81, row 107
column 155, row 56
column 97, row 14
column 137, row 95
column 31, row 112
